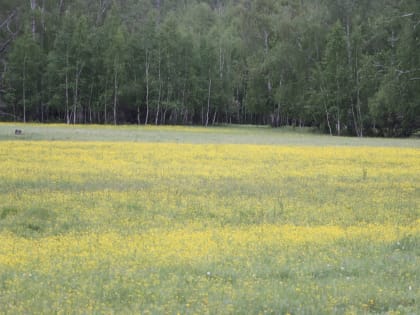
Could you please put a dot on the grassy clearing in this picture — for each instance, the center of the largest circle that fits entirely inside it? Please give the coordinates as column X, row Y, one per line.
column 197, row 227
column 191, row 134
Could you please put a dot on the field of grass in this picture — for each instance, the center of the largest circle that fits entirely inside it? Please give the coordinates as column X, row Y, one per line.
column 245, row 220
column 262, row 135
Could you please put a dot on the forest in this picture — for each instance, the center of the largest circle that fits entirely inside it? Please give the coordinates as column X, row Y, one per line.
column 346, row 67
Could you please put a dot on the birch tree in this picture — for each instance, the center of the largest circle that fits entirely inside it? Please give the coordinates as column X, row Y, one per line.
column 25, row 64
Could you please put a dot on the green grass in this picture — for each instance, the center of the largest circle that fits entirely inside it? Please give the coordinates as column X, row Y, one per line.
column 235, row 134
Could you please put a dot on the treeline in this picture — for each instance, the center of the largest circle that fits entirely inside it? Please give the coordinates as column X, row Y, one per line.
column 345, row 66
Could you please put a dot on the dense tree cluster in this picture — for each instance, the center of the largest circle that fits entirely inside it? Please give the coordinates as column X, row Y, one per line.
column 346, row 66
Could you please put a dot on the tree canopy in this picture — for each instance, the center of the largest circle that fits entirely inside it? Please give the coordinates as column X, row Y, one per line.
column 347, row 67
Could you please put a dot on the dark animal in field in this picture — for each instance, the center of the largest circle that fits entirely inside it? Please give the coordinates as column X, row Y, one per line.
column 18, row 132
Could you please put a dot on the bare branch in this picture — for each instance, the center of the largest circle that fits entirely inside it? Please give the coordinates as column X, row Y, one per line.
column 6, row 114
column 60, row 6
column 103, row 7
column 4, row 45
column 407, row 15
column 8, row 20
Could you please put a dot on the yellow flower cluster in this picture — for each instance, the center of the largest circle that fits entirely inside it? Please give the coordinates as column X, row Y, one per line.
column 189, row 245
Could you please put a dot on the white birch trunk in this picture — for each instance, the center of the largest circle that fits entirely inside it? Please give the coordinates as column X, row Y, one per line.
column 67, row 90
column 160, row 90
column 147, row 88
column 24, row 89
column 208, row 104
column 115, row 94
column 33, row 23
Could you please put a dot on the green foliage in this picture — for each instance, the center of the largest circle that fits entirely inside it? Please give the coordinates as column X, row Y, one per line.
column 346, row 67
column 24, row 77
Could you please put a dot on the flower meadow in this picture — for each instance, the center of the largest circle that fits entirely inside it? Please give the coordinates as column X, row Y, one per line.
column 89, row 227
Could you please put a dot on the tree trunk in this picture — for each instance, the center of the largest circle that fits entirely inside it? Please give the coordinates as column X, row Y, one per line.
column 76, row 92
column 105, row 100
column 359, row 112
column 67, row 90
column 208, row 104
column 137, row 100
column 358, row 103
column 115, row 94
column 338, row 123
column 357, row 123
column 33, row 24
column 61, row 6
column 337, row 104
column 214, row 118
column 24, row 89
column 147, row 87
column 266, row 35
column 327, row 114
column 266, row 47
column 393, row 40
column 160, row 90
column 348, row 41
column 42, row 107
column 168, row 93
column 278, row 115
column 328, row 119
column 183, row 93
column 105, row 113
column 278, row 108
column 90, row 102
column 75, row 96
column 356, row 127
column 221, row 62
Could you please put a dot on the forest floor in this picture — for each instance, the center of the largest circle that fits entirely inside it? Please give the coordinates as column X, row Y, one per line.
column 192, row 220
